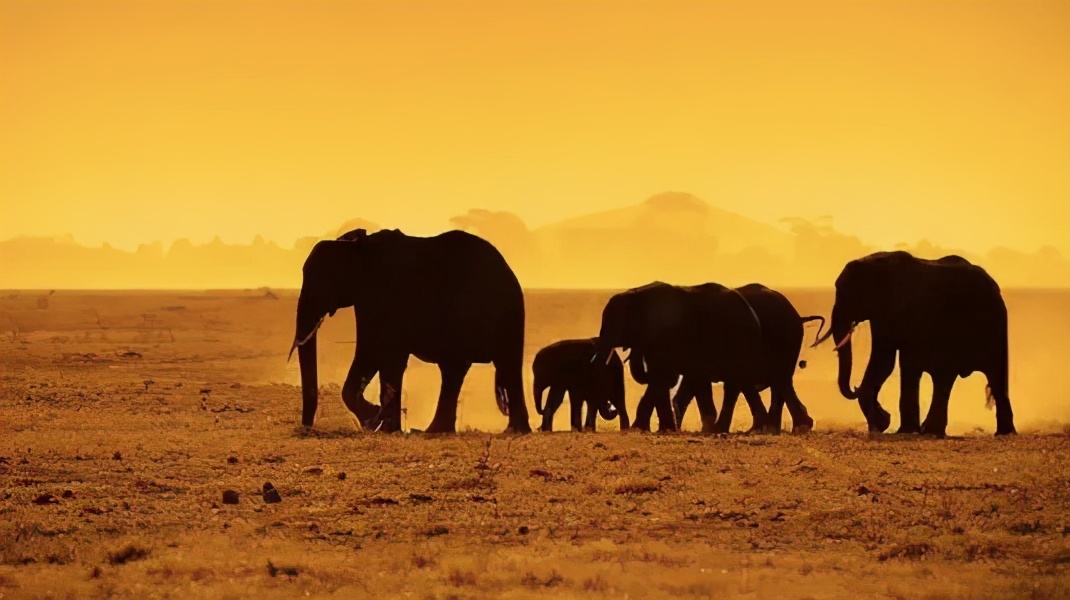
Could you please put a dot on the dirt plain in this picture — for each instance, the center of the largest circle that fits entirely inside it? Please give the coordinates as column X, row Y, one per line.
column 125, row 416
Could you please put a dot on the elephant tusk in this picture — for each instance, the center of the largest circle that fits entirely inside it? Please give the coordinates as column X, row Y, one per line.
column 313, row 332
column 298, row 342
column 845, row 339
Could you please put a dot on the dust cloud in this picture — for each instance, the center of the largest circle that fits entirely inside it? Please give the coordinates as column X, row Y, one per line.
column 251, row 332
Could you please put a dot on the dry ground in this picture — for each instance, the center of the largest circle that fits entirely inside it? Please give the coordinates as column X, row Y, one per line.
column 125, row 416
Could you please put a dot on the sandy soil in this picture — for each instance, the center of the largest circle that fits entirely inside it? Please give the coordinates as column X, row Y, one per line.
column 124, row 417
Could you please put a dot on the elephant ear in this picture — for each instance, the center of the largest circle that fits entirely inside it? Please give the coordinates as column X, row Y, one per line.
column 666, row 317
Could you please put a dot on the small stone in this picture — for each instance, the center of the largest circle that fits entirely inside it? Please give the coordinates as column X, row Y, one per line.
column 271, row 495
column 230, row 497
column 68, row 494
column 46, row 499
column 342, row 476
column 117, row 456
column 523, row 530
column 232, row 460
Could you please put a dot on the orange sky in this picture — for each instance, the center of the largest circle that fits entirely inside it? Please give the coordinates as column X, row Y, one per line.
column 130, row 122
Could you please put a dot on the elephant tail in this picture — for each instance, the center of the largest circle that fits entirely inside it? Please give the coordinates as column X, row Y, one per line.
column 805, row 320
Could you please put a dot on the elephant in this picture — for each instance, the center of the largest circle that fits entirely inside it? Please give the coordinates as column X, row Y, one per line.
column 565, row 366
column 782, row 338
column 449, row 299
column 705, row 332
column 945, row 317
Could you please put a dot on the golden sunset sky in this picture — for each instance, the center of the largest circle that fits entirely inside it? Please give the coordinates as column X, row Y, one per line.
column 129, row 122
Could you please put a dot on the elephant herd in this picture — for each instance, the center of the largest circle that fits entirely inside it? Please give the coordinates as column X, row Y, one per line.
column 453, row 300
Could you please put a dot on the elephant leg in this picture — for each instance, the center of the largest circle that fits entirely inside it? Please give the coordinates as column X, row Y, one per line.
column 360, row 375
column 936, row 421
column 997, row 386
column 681, row 400
column 706, row 408
column 728, row 408
column 663, row 404
column 590, row 422
column 553, row 402
column 775, row 418
column 575, row 409
column 801, row 421
column 644, row 410
column 880, row 367
column 445, row 419
column 509, row 382
column 390, row 380
column 759, row 416
column 909, row 397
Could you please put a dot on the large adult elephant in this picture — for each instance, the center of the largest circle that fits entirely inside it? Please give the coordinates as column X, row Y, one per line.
column 782, row 338
column 945, row 317
column 449, row 299
column 566, row 366
column 705, row 332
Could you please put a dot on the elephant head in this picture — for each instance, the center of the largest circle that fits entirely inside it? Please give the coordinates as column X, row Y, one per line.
column 330, row 279
column 637, row 320
column 868, row 289
column 623, row 324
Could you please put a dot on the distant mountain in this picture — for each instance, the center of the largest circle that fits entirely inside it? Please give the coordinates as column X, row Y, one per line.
column 674, row 237
column 686, row 214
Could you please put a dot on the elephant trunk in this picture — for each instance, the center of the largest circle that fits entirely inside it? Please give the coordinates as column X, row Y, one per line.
column 306, row 355
column 539, row 387
column 845, row 366
column 841, row 333
column 308, row 323
column 637, row 366
column 607, row 410
column 618, row 397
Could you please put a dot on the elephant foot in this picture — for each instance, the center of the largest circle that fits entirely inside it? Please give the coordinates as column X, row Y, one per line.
column 803, row 425
column 933, row 430
column 546, row 428
column 518, row 429
column 440, row 428
column 881, row 422
column 907, row 429
column 389, row 426
column 590, row 429
column 1005, row 427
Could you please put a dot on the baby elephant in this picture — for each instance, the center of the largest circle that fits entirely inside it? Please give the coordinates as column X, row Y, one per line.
column 566, row 366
